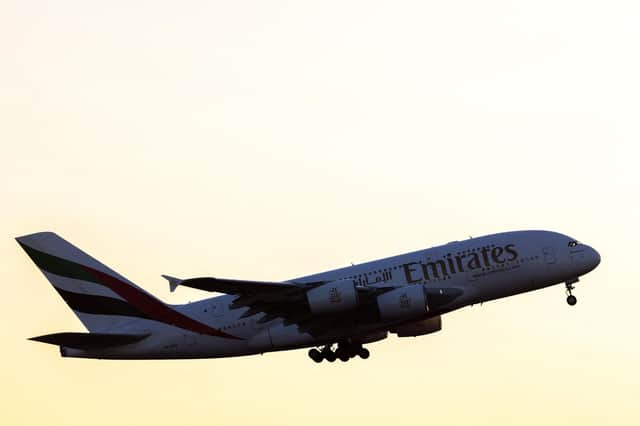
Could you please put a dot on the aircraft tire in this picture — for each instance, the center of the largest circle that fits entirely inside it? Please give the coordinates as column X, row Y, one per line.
column 572, row 300
column 329, row 355
column 364, row 353
column 315, row 355
column 354, row 350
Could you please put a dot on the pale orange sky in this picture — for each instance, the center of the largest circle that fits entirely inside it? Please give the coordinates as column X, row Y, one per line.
column 267, row 140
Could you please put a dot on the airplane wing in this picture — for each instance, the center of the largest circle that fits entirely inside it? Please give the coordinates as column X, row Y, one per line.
column 228, row 286
column 286, row 300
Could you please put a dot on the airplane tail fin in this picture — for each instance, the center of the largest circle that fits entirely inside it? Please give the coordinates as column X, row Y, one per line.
column 101, row 298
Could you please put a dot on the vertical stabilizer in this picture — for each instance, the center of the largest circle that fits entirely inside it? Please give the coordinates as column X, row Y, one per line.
column 100, row 297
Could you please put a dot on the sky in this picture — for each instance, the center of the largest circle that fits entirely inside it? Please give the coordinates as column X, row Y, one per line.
column 269, row 140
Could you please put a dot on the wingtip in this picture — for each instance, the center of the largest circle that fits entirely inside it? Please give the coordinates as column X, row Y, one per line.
column 173, row 282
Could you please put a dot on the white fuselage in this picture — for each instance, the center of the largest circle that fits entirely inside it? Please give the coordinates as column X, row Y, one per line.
column 481, row 269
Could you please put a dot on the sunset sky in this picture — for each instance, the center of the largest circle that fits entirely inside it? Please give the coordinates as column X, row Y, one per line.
column 269, row 140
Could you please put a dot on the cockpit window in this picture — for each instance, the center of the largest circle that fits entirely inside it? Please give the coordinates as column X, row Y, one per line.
column 573, row 243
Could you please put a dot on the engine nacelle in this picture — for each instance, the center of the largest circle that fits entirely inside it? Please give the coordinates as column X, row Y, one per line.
column 403, row 302
column 369, row 338
column 419, row 328
column 337, row 296
column 279, row 337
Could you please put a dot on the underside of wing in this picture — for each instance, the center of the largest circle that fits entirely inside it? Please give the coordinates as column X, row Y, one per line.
column 285, row 300
column 289, row 301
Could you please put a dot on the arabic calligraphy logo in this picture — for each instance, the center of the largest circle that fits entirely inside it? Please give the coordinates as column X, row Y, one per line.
column 405, row 302
column 335, row 296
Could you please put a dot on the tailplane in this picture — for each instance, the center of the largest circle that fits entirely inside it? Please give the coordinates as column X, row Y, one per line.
column 89, row 341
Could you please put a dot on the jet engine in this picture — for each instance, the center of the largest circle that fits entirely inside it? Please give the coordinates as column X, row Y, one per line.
column 403, row 302
column 338, row 296
column 418, row 328
column 369, row 338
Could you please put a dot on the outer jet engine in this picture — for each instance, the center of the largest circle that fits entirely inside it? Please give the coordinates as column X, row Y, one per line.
column 418, row 328
column 404, row 302
column 337, row 296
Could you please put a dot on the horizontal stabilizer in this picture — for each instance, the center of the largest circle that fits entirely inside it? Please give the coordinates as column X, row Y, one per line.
column 89, row 340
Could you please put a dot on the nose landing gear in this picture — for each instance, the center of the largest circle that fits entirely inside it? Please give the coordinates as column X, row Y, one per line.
column 571, row 299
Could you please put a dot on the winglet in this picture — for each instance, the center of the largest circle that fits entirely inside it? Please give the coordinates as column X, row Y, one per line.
column 173, row 282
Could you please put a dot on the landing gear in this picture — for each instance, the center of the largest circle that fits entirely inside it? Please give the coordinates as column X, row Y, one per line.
column 347, row 350
column 344, row 352
column 315, row 355
column 571, row 299
column 328, row 354
column 363, row 353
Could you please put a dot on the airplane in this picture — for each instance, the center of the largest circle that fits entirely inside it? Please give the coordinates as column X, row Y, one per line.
column 335, row 313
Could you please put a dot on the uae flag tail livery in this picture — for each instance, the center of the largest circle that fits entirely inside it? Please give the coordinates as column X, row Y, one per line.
column 109, row 305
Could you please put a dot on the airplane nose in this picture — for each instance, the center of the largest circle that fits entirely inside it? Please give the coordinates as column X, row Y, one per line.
column 594, row 258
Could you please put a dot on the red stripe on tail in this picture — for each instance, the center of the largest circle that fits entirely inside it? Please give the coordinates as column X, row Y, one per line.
column 155, row 309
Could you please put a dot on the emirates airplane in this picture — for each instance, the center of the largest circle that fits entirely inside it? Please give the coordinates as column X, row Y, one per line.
column 334, row 313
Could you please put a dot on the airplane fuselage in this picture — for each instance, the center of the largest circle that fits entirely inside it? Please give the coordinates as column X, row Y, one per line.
column 471, row 271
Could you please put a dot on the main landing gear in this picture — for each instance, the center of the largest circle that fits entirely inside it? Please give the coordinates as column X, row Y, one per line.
column 571, row 299
column 344, row 352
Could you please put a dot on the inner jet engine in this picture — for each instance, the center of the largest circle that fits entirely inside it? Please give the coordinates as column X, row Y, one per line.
column 418, row 328
column 337, row 296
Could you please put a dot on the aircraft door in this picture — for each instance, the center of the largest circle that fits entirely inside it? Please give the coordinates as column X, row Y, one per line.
column 189, row 339
column 472, row 275
column 549, row 255
column 216, row 308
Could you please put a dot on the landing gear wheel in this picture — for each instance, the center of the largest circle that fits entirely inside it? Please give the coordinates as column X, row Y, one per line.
column 315, row 355
column 571, row 299
column 328, row 354
column 363, row 353
column 354, row 350
column 342, row 352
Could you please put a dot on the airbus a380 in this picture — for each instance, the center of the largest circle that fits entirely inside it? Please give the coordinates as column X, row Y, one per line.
column 335, row 312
